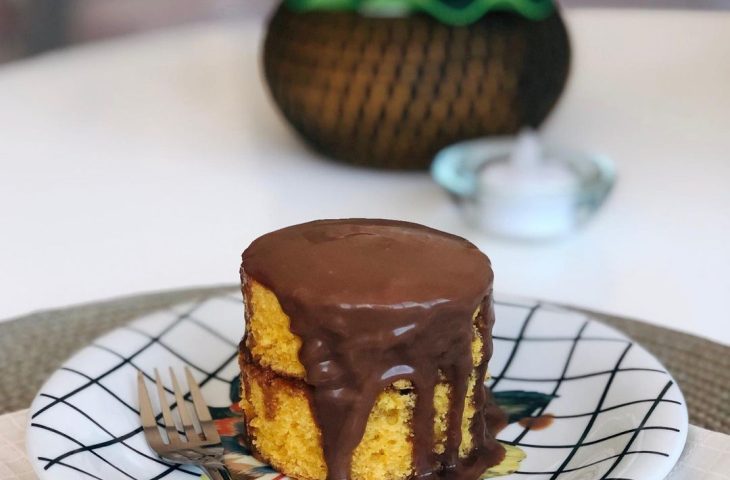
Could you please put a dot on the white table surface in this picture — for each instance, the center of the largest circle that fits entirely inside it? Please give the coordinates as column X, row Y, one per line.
column 150, row 162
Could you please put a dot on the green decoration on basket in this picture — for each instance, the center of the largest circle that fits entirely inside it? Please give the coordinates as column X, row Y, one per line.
column 450, row 12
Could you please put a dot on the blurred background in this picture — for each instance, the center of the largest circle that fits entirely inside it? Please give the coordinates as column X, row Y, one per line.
column 144, row 144
column 29, row 27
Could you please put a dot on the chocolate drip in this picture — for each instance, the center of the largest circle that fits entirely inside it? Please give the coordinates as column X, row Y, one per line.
column 374, row 302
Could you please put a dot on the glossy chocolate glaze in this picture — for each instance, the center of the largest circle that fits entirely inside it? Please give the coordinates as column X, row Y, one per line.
column 376, row 301
column 537, row 423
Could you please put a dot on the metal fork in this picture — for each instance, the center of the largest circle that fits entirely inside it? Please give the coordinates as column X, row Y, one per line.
column 203, row 449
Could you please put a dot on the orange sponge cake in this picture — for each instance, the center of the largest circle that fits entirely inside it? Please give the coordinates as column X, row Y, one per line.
column 366, row 351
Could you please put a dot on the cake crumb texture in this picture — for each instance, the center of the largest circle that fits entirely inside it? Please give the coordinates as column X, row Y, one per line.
column 272, row 343
column 280, row 420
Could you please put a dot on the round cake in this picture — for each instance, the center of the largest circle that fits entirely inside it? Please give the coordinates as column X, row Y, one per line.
column 366, row 351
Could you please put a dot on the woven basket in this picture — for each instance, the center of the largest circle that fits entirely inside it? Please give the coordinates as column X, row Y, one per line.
column 391, row 92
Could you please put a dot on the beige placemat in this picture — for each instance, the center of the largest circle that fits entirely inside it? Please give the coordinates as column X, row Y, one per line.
column 14, row 464
column 33, row 346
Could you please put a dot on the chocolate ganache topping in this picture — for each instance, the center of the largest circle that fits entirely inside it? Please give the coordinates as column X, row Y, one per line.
column 376, row 301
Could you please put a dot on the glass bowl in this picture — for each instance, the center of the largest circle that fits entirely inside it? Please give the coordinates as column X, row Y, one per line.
column 536, row 213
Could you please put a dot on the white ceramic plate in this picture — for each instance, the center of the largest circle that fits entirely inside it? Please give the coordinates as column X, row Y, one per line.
column 617, row 413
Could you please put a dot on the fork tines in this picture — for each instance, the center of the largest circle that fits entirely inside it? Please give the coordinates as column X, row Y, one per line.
column 188, row 437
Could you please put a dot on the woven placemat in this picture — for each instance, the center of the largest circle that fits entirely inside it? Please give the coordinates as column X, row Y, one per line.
column 34, row 346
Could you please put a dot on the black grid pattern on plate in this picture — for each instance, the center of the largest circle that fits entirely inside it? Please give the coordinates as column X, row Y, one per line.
column 95, row 382
column 531, row 310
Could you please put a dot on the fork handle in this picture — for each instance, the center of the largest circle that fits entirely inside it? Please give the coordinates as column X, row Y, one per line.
column 213, row 473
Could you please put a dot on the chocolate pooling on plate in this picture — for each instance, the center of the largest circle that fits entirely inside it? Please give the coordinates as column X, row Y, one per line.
column 376, row 301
